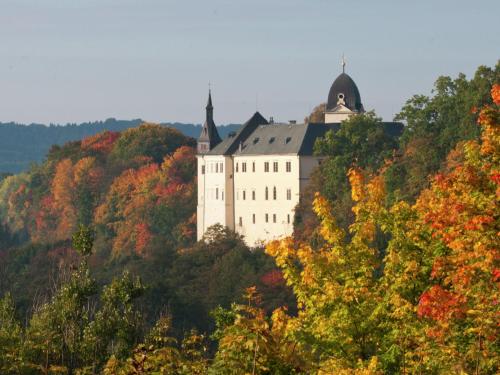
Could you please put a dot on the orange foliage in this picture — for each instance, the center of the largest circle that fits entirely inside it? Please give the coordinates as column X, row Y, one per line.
column 135, row 195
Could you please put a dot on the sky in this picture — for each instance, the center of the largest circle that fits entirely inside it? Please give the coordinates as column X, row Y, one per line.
column 70, row 61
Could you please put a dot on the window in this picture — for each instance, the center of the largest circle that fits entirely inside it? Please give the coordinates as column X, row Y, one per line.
column 253, row 166
column 221, row 168
column 288, row 218
column 267, row 218
column 288, row 166
column 243, row 167
column 266, row 166
column 289, row 194
column 274, row 218
column 216, row 167
column 240, row 221
column 275, row 194
column 244, row 194
column 253, row 218
column 236, row 167
column 216, row 193
column 267, row 193
column 275, row 166
column 202, row 169
column 253, row 195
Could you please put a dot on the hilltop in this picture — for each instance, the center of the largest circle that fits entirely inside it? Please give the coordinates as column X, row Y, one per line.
column 21, row 145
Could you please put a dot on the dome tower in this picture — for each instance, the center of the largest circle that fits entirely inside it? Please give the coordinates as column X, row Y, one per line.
column 344, row 99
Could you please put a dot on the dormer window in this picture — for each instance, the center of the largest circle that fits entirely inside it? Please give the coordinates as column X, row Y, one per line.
column 256, row 140
column 341, row 98
column 288, row 139
column 271, row 140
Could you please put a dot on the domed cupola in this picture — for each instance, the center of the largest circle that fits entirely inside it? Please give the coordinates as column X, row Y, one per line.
column 344, row 91
column 344, row 99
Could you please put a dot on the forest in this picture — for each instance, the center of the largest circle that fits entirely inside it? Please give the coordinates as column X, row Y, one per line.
column 21, row 145
column 393, row 268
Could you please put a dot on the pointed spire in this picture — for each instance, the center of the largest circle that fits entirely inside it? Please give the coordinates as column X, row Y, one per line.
column 209, row 103
column 209, row 136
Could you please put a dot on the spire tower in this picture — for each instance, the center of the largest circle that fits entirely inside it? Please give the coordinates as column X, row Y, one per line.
column 209, row 137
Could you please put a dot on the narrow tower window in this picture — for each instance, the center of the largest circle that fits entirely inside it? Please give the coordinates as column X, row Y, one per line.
column 275, row 194
column 267, row 193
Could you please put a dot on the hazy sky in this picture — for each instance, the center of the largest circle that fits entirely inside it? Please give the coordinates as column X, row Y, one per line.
column 83, row 60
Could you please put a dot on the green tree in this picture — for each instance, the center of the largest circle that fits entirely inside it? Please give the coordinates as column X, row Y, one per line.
column 117, row 325
column 434, row 126
column 149, row 140
column 10, row 338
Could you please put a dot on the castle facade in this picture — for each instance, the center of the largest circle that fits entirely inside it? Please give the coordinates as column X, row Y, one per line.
column 252, row 181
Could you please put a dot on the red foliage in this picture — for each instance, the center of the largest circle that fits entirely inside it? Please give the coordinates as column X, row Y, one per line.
column 439, row 304
column 102, row 142
column 273, row 278
column 143, row 237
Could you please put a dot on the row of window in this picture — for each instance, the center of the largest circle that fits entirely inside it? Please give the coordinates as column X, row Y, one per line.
column 213, row 168
column 266, row 219
column 214, row 194
column 288, row 166
column 219, row 167
column 243, row 194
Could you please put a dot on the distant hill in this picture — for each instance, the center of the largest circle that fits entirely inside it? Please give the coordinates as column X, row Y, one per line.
column 21, row 145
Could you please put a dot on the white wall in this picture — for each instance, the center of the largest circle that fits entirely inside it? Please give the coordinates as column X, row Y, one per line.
column 258, row 181
column 333, row 117
column 238, row 185
column 212, row 192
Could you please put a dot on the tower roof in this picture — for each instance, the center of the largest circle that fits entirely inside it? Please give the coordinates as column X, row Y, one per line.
column 344, row 91
column 209, row 133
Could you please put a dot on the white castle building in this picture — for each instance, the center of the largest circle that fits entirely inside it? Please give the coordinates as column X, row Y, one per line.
column 252, row 181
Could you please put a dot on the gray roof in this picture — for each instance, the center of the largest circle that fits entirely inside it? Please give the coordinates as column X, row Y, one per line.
column 276, row 139
column 258, row 137
column 229, row 145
